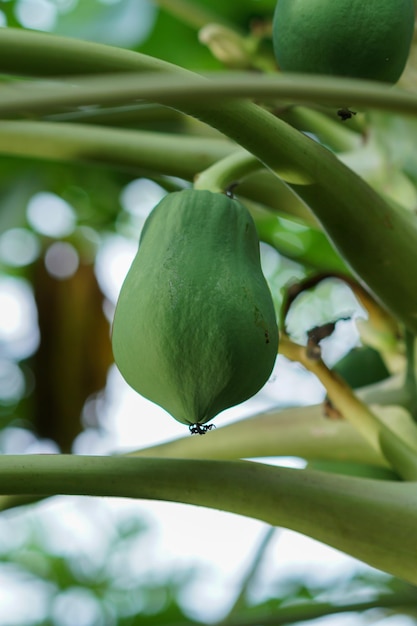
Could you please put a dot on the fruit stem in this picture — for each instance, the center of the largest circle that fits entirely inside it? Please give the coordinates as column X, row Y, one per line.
column 400, row 452
column 228, row 171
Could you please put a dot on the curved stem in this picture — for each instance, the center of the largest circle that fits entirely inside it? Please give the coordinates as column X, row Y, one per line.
column 132, row 149
column 177, row 83
column 225, row 172
column 373, row 520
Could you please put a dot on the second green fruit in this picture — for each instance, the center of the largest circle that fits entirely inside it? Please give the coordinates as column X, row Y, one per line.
column 368, row 39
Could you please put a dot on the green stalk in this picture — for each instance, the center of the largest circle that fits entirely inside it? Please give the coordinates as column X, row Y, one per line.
column 169, row 84
column 399, row 448
column 300, row 432
column 372, row 520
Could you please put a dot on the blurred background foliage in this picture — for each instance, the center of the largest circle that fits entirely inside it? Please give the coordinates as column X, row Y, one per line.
column 57, row 221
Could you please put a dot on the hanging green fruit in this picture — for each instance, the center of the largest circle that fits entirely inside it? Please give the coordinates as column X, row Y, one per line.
column 195, row 328
column 368, row 39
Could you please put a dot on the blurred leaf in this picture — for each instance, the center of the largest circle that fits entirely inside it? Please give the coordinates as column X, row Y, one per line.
column 124, row 23
column 190, row 54
column 397, row 136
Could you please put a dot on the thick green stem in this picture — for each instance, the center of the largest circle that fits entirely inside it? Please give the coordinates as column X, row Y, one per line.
column 174, row 86
column 373, row 520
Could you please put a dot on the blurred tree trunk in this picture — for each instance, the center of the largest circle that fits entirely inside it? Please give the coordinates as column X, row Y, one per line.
column 74, row 354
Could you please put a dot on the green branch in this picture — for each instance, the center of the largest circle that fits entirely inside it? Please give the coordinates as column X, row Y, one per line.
column 119, row 148
column 172, row 84
column 372, row 520
column 32, row 53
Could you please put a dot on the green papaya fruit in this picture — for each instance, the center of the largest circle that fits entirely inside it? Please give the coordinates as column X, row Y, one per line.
column 367, row 39
column 195, row 328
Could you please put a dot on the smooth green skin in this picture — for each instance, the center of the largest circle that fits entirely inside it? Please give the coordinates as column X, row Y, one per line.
column 195, row 328
column 367, row 39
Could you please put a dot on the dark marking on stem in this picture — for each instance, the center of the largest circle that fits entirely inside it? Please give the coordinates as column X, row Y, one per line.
column 345, row 114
